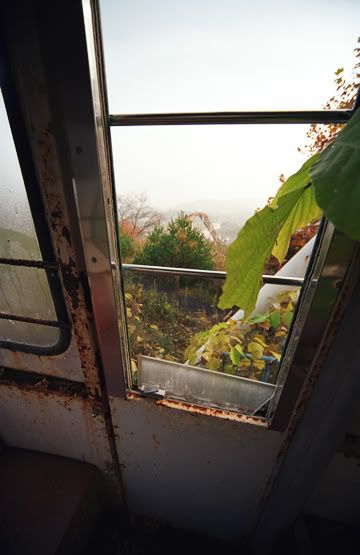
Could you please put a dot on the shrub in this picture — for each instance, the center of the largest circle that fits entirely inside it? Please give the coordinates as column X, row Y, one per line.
column 127, row 247
column 179, row 244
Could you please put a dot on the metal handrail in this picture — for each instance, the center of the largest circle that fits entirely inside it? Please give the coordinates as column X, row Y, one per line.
column 207, row 274
column 215, row 118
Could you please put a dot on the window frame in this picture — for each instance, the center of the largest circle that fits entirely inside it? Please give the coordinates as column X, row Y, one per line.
column 49, row 261
column 323, row 254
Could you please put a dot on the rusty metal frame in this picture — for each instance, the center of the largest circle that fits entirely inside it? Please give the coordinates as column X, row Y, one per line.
column 66, row 147
column 29, row 31
column 49, row 265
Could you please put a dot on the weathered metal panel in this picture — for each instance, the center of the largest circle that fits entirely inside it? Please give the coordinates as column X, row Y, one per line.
column 53, row 423
column 192, row 470
column 66, row 365
column 198, row 385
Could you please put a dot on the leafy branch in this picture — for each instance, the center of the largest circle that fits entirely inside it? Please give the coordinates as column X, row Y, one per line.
column 328, row 181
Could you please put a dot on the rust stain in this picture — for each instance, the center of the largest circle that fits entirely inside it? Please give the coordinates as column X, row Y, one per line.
column 198, row 410
column 43, row 385
column 209, row 411
column 51, row 179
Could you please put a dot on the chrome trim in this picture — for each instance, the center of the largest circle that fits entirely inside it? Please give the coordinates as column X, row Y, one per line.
column 226, row 118
column 98, row 83
column 207, row 274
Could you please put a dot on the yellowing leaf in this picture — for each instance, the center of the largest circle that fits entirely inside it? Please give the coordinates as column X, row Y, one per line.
column 259, row 364
column 255, row 350
column 240, row 349
column 213, row 364
column 260, row 340
column 275, row 355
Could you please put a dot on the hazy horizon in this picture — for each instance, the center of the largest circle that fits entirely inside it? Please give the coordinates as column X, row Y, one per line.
column 186, row 56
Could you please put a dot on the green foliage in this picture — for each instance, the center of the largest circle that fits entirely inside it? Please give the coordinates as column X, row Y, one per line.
column 179, row 244
column 158, row 323
column 336, row 178
column 267, row 232
column 127, row 247
column 238, row 348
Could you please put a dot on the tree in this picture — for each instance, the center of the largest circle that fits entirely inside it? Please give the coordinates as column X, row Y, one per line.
column 320, row 136
column 136, row 216
column 179, row 244
column 127, row 247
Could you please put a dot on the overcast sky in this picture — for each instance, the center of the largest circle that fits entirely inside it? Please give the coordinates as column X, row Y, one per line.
column 188, row 55
column 202, row 55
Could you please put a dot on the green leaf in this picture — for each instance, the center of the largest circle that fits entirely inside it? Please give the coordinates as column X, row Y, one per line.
column 235, row 356
column 287, row 317
column 258, row 318
column 336, row 179
column 267, row 232
column 248, row 254
column 304, row 210
column 275, row 319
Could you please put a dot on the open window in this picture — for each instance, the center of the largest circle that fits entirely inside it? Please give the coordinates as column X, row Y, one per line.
column 33, row 317
column 187, row 180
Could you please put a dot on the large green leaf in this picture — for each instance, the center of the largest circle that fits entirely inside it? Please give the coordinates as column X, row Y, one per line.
column 249, row 252
column 304, row 211
column 336, row 179
column 267, row 232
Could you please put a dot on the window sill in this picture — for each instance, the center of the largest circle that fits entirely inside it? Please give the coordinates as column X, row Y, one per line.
column 198, row 410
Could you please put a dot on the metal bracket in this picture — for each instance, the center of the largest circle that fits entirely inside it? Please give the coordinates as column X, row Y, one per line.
column 153, row 391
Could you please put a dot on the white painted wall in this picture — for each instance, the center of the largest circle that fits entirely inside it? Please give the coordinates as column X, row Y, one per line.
column 53, row 424
column 193, row 471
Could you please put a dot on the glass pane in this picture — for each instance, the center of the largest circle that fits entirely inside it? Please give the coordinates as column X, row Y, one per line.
column 25, row 292
column 225, row 171
column 183, row 195
column 231, row 55
column 28, row 334
column 18, row 237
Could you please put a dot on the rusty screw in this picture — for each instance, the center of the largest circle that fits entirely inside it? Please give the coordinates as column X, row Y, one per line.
column 95, row 412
